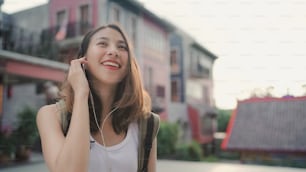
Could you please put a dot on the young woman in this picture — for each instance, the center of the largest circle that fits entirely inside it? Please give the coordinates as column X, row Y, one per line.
column 104, row 95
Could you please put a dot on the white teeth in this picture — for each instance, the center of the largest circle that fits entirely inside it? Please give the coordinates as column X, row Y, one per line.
column 111, row 64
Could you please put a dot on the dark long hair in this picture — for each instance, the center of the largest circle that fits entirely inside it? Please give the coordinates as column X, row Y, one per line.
column 132, row 100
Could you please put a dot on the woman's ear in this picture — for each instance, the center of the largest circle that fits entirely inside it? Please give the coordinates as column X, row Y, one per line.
column 85, row 58
column 84, row 64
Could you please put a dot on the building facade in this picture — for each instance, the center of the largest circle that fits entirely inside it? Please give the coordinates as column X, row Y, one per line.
column 147, row 32
column 23, row 75
column 22, row 32
column 176, row 70
column 191, row 87
column 1, row 24
column 22, row 79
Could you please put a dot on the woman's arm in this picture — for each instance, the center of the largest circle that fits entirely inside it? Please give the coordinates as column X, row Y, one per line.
column 153, row 157
column 70, row 153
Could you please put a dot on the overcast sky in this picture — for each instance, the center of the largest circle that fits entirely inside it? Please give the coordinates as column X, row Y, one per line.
column 259, row 43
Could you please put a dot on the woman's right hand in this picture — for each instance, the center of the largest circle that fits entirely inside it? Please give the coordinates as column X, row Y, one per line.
column 77, row 78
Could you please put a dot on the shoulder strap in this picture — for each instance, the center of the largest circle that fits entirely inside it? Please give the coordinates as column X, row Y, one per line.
column 64, row 116
column 148, row 129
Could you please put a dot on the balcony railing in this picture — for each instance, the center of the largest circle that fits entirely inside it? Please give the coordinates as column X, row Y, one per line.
column 41, row 44
column 73, row 29
column 198, row 71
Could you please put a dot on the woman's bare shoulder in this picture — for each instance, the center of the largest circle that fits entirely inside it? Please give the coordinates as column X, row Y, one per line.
column 48, row 112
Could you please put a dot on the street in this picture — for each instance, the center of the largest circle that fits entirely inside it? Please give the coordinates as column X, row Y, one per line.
column 178, row 166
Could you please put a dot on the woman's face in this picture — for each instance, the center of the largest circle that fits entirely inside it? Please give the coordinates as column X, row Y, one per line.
column 107, row 56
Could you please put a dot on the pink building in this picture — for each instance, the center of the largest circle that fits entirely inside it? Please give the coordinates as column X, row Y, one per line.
column 69, row 21
column 149, row 35
column 80, row 12
column 155, row 64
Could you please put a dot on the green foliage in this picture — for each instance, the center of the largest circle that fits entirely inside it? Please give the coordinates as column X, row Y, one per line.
column 223, row 119
column 20, row 140
column 167, row 139
column 182, row 152
column 226, row 155
column 195, row 151
column 189, row 152
column 26, row 132
column 211, row 158
column 7, row 146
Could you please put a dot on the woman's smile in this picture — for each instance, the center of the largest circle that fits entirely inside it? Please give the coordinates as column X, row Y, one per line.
column 111, row 64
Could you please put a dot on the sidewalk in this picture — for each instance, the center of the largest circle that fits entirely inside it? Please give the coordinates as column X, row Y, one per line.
column 183, row 166
column 37, row 165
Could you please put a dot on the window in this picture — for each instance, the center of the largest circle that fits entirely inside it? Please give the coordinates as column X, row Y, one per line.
column 206, row 95
column 173, row 57
column 134, row 31
column 84, row 19
column 149, row 79
column 21, row 35
column 200, row 65
column 174, row 91
column 193, row 62
column 160, row 91
column 60, row 18
column 116, row 14
column 203, row 70
column 174, row 61
column 155, row 40
column 61, row 21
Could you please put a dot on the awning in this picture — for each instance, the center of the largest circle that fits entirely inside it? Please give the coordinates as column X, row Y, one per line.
column 31, row 67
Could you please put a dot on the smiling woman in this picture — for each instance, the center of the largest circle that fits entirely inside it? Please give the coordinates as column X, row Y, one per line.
column 105, row 106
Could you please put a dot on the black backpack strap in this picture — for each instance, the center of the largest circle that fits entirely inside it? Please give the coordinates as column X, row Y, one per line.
column 148, row 129
column 148, row 143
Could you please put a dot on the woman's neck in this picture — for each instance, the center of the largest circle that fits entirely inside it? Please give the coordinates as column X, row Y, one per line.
column 107, row 95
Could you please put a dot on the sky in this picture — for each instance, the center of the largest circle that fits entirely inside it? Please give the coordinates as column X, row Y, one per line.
column 259, row 44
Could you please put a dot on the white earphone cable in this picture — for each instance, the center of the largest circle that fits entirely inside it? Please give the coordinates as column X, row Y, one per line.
column 101, row 129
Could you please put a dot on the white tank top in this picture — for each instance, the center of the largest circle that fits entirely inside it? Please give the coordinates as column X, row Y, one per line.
column 120, row 157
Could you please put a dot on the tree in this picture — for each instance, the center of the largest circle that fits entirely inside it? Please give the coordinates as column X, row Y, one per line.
column 223, row 118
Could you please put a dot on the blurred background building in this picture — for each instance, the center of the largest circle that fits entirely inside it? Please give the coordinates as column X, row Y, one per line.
column 38, row 43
